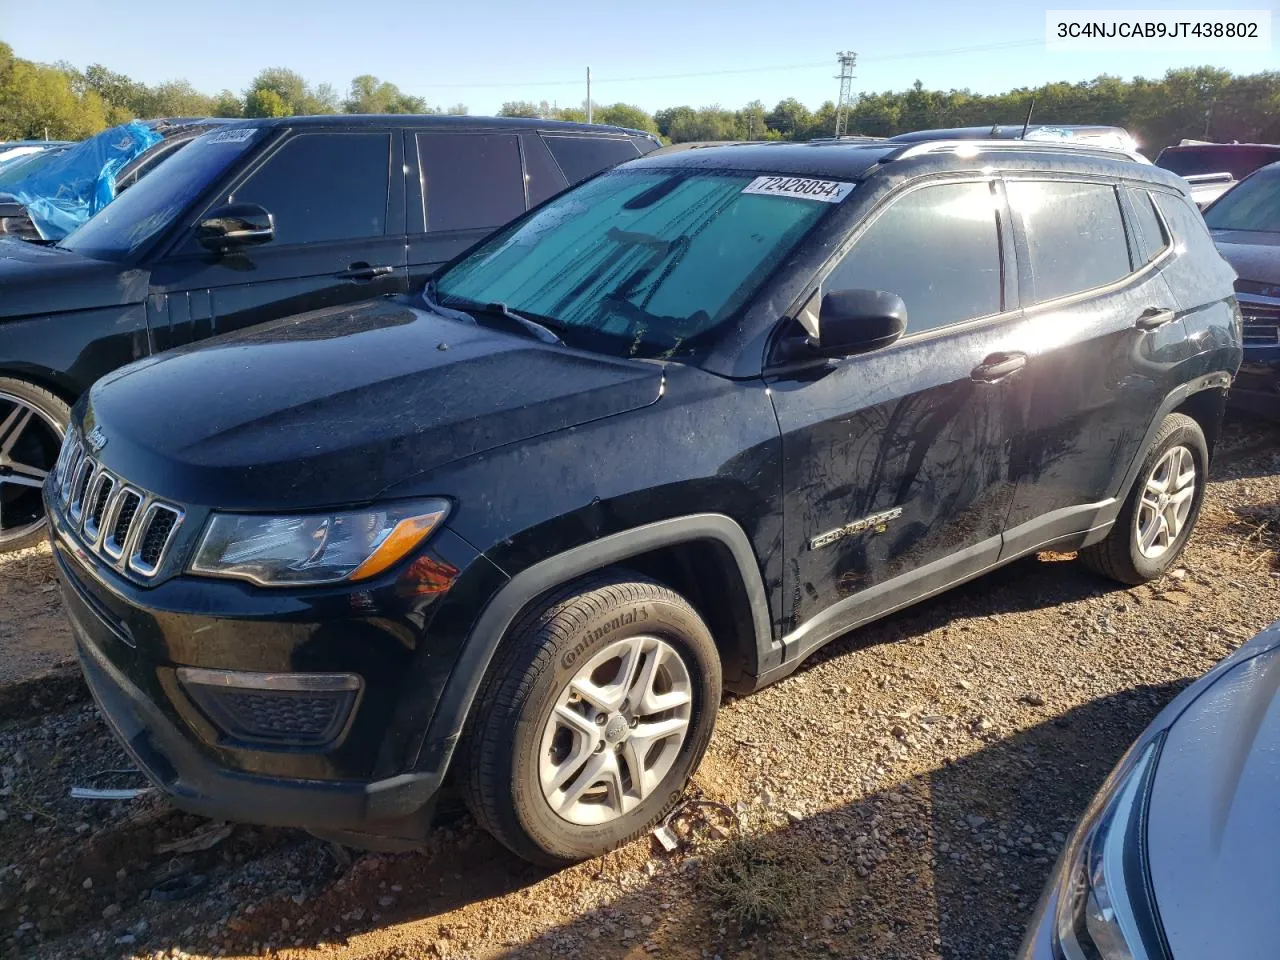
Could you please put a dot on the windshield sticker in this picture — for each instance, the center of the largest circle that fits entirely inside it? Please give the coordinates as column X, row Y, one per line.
column 233, row 136
column 828, row 191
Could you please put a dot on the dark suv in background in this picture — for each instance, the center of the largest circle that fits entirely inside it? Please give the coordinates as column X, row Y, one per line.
column 255, row 221
column 666, row 435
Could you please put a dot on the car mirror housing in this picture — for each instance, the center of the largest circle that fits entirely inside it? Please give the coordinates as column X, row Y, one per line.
column 235, row 225
column 858, row 321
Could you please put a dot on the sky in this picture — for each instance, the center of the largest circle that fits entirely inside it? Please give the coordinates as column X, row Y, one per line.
column 654, row 53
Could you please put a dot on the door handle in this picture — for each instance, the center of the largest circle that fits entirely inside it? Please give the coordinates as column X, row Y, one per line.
column 998, row 366
column 1153, row 318
column 362, row 271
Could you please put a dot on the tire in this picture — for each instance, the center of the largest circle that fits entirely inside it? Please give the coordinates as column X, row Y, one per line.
column 1121, row 556
column 517, row 743
column 32, row 422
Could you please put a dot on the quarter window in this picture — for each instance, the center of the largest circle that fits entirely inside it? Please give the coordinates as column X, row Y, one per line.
column 472, row 181
column 583, row 157
column 1154, row 238
column 1075, row 235
column 938, row 248
column 321, row 187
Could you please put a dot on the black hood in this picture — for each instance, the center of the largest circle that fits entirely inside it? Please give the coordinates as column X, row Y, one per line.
column 1255, row 254
column 332, row 407
column 37, row 280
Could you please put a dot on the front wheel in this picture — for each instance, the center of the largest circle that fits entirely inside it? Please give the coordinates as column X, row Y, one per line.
column 1162, row 507
column 32, row 421
column 597, row 709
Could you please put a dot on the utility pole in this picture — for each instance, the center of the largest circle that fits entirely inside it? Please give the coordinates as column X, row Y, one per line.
column 589, row 95
column 847, row 59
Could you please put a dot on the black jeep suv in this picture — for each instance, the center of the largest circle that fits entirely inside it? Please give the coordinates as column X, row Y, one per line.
column 663, row 436
column 255, row 221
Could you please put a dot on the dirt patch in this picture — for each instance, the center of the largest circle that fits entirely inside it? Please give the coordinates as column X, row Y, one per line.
column 34, row 632
column 904, row 795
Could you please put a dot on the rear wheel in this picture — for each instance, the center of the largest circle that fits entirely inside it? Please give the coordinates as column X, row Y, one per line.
column 1157, row 518
column 597, row 709
column 32, row 421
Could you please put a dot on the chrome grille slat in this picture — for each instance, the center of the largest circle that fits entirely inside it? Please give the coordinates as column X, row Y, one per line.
column 128, row 528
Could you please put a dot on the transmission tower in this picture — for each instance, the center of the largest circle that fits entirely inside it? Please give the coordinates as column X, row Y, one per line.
column 847, row 60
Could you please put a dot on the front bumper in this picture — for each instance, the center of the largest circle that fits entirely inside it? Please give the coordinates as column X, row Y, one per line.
column 1257, row 386
column 399, row 634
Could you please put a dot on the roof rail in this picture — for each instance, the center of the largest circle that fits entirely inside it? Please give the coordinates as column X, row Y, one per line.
column 974, row 147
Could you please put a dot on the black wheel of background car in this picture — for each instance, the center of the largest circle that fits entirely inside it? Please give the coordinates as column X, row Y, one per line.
column 594, row 714
column 32, row 421
column 1153, row 526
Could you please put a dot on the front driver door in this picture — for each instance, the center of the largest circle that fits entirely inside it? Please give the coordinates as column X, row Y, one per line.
column 337, row 200
column 897, row 462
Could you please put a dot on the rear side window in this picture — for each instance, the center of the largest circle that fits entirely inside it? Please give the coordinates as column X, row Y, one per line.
column 583, row 157
column 324, row 186
column 1188, row 226
column 1154, row 239
column 471, row 181
column 938, row 248
column 543, row 177
column 1075, row 235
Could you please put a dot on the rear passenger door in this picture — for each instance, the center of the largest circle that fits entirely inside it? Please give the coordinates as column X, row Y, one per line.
column 1102, row 338
column 337, row 202
column 466, row 185
column 897, row 477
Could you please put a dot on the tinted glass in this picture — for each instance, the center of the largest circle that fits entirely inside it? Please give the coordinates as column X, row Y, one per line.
column 640, row 263
column 471, row 181
column 937, row 248
column 1239, row 161
column 150, row 205
column 1075, row 235
column 1253, row 204
column 1188, row 226
column 542, row 175
column 322, row 186
column 583, row 157
column 1149, row 225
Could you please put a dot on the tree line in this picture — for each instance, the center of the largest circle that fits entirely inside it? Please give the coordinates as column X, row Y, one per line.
column 64, row 102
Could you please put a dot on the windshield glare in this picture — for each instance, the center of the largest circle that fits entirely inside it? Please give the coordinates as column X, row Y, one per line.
column 637, row 262
column 151, row 204
column 1253, row 204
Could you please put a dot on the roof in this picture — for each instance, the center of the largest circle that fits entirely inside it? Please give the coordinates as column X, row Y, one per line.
column 430, row 120
column 1003, row 131
column 854, row 160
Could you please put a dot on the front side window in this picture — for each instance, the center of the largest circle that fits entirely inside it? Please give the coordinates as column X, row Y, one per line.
column 470, row 180
column 152, row 204
column 938, row 248
column 637, row 262
column 1075, row 235
column 1253, row 204
column 323, row 186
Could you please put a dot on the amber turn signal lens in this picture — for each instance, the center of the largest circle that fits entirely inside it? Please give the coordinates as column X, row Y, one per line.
column 406, row 535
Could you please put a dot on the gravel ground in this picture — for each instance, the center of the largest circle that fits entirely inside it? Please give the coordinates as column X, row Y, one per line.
column 903, row 795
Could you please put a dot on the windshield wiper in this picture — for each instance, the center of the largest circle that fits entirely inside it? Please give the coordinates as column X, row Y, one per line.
column 429, row 298
column 535, row 329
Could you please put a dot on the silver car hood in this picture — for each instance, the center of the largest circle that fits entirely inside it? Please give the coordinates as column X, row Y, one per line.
column 1255, row 254
column 1214, row 820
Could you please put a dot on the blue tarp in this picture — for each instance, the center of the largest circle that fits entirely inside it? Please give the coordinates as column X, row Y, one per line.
column 68, row 190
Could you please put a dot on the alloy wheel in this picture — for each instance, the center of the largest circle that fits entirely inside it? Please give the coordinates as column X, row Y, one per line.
column 1167, row 497
column 29, row 444
column 615, row 731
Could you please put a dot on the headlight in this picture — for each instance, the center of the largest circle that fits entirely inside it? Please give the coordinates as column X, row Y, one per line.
column 1106, row 910
column 312, row 549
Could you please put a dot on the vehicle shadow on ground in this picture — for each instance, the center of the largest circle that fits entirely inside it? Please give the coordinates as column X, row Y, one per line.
column 818, row 882
column 1249, row 447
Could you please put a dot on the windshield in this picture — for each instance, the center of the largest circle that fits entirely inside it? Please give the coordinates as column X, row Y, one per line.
column 640, row 262
column 151, row 204
column 19, row 168
column 1253, row 204
column 1197, row 161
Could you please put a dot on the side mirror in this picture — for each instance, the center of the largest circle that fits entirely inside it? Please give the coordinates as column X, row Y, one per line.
column 858, row 321
column 235, row 225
